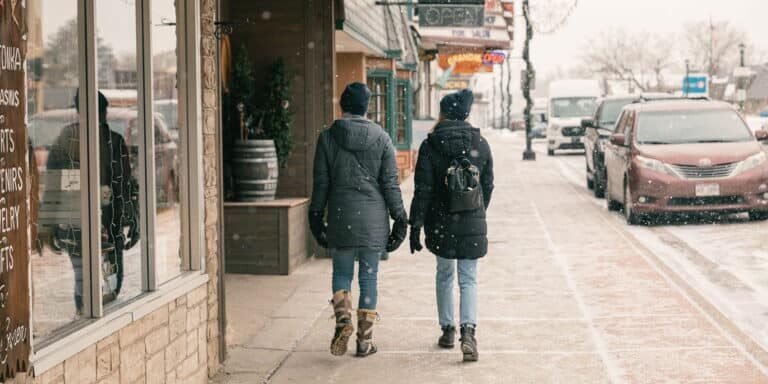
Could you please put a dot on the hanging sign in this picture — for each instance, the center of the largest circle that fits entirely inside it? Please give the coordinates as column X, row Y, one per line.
column 459, row 13
column 464, row 61
column 494, row 57
column 14, row 234
column 456, row 84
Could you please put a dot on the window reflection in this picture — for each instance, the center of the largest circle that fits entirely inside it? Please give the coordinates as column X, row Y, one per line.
column 119, row 139
column 57, row 259
column 165, row 102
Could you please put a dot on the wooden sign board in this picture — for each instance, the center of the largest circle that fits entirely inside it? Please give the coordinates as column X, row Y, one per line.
column 14, row 184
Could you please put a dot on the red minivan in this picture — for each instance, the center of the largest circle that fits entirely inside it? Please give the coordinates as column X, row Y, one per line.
column 685, row 156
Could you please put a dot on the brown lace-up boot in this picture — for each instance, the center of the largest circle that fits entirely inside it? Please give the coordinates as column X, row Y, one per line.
column 342, row 309
column 365, row 320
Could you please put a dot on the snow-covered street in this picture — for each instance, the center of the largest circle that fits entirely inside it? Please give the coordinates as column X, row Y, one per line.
column 725, row 259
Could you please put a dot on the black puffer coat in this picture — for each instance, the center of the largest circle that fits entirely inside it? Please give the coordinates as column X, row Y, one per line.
column 356, row 177
column 458, row 235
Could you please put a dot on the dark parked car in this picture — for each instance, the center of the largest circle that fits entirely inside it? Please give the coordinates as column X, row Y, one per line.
column 685, row 156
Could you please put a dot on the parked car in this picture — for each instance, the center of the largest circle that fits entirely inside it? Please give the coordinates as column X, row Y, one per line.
column 685, row 156
column 45, row 127
column 517, row 122
column 599, row 128
column 539, row 123
column 570, row 101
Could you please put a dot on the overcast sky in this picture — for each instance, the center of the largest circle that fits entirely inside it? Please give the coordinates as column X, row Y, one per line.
column 592, row 17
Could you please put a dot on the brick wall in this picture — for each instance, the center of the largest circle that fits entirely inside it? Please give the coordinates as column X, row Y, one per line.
column 169, row 345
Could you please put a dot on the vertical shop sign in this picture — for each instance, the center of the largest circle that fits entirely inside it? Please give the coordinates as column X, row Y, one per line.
column 14, row 228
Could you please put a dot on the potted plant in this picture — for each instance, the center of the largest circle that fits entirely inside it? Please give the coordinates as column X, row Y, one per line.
column 262, row 136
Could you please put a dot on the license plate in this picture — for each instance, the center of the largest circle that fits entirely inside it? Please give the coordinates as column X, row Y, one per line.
column 575, row 140
column 703, row 190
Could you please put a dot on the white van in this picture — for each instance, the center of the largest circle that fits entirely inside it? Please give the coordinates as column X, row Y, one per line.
column 569, row 102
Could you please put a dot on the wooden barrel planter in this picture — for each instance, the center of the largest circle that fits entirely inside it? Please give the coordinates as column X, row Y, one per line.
column 254, row 170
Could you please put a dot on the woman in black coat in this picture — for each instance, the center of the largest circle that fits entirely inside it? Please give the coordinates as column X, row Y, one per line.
column 457, row 239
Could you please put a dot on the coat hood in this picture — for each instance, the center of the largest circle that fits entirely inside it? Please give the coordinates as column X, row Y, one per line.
column 453, row 138
column 356, row 134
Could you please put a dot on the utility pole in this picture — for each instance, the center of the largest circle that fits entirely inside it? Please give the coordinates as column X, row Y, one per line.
column 509, row 87
column 529, row 154
column 493, row 106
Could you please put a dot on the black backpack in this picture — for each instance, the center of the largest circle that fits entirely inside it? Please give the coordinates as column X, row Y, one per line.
column 462, row 178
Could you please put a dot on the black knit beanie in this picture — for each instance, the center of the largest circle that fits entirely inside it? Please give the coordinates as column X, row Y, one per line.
column 355, row 99
column 456, row 106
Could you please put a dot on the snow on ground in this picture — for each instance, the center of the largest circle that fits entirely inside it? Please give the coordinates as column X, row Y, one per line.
column 726, row 261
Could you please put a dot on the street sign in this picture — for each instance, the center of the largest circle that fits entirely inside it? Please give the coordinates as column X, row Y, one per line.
column 696, row 85
column 451, row 15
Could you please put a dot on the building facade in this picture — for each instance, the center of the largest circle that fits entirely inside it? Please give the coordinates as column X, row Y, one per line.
column 120, row 225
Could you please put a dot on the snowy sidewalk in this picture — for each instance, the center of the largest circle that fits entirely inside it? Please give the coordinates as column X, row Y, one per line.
column 564, row 297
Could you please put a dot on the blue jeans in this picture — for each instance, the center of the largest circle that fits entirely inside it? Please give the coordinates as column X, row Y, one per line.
column 344, row 270
column 467, row 289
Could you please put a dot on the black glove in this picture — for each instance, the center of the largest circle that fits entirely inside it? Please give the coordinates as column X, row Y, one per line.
column 415, row 239
column 396, row 237
column 317, row 226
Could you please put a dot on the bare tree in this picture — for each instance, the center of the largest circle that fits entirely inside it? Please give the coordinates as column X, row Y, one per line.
column 712, row 46
column 616, row 54
column 640, row 59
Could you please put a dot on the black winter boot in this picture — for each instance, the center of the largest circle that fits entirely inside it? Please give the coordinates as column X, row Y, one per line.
column 469, row 343
column 446, row 340
column 365, row 320
column 342, row 308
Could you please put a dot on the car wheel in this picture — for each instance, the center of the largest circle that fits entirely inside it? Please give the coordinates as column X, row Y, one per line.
column 599, row 182
column 550, row 152
column 629, row 214
column 758, row 216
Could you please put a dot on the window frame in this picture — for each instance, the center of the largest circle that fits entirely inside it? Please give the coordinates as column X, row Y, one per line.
column 408, row 111
column 389, row 99
column 96, row 322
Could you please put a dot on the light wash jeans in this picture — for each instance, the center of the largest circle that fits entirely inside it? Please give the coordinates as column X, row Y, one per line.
column 467, row 288
column 344, row 270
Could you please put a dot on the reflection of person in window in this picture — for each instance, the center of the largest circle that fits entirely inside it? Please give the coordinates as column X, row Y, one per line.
column 117, row 210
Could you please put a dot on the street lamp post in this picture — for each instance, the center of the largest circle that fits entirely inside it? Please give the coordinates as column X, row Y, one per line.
column 742, row 79
column 529, row 154
column 687, row 74
column 742, row 47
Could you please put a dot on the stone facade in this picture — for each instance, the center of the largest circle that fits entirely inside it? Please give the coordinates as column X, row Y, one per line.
column 179, row 342
column 210, row 87
column 168, row 345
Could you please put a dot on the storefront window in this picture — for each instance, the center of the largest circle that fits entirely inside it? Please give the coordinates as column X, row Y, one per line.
column 120, row 136
column 377, row 107
column 165, row 81
column 66, row 272
column 54, row 130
